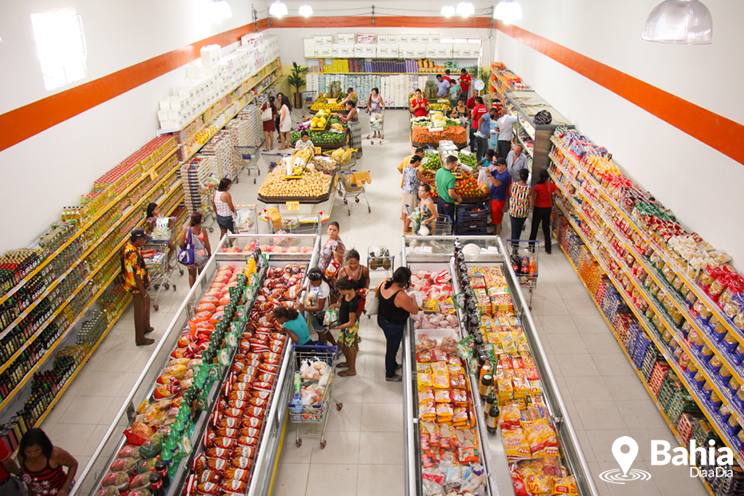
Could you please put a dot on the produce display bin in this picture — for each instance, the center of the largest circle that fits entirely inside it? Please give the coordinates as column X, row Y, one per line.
column 302, row 199
column 437, row 255
column 296, row 248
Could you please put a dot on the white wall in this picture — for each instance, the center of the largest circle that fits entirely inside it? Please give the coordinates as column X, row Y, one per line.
column 53, row 168
column 701, row 185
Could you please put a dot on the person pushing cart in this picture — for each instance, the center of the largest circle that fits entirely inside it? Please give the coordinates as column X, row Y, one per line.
column 376, row 109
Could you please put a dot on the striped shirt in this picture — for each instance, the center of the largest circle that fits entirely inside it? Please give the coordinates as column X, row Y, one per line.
column 45, row 482
column 519, row 204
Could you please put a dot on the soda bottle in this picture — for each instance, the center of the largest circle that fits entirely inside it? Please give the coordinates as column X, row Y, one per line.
column 162, row 469
column 156, row 483
column 492, row 422
column 485, row 385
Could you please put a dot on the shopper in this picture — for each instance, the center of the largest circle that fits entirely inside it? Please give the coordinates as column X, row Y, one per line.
column 406, row 161
column 223, row 207
column 151, row 217
column 447, row 76
column 487, row 161
column 278, row 106
column 542, row 202
column 350, row 97
column 394, row 310
column 429, row 214
column 304, row 141
column 446, row 189
column 375, row 105
column 505, row 127
column 483, row 133
column 519, row 204
column 293, row 324
column 443, row 87
column 475, row 115
column 136, row 282
column 44, row 465
column 318, row 293
column 332, row 252
column 285, row 122
column 412, row 179
column 268, row 125
column 358, row 274
column 10, row 473
column 516, row 161
column 500, row 180
column 200, row 241
column 419, row 104
column 355, row 127
column 348, row 323
column 461, row 112
column 465, row 81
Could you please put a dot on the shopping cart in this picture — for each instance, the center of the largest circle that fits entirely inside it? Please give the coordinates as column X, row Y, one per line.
column 293, row 225
column 249, row 156
column 376, row 124
column 348, row 188
column 155, row 253
column 246, row 219
column 524, row 262
column 443, row 226
column 273, row 159
column 344, row 162
column 312, row 397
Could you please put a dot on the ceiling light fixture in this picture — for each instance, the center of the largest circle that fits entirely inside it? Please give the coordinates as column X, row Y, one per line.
column 448, row 11
column 683, row 22
column 507, row 11
column 278, row 9
column 465, row 9
column 220, row 9
column 306, row 10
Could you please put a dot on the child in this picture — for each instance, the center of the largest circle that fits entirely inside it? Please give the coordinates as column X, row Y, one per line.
column 318, row 293
column 348, row 323
column 428, row 211
column 293, row 323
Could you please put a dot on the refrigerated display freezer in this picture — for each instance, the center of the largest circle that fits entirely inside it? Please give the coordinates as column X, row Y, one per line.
column 301, row 249
column 436, row 254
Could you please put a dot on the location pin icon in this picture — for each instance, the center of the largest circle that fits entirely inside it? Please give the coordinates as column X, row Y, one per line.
column 625, row 460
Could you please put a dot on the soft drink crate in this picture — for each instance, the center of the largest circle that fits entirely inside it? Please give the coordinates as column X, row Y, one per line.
column 471, row 212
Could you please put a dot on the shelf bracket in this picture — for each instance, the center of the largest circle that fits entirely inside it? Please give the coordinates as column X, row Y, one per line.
column 373, row 15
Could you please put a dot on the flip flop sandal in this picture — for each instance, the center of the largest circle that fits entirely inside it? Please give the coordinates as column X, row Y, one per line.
column 397, row 378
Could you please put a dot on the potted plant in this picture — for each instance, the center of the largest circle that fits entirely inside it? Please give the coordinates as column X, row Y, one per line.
column 295, row 79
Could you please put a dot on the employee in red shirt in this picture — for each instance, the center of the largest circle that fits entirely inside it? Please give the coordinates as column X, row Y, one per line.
column 465, row 81
column 475, row 115
column 419, row 105
column 542, row 202
column 9, row 485
column 447, row 77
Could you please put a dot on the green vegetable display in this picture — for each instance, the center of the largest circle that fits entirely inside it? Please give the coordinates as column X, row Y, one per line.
column 468, row 160
column 421, row 122
column 433, row 163
column 319, row 137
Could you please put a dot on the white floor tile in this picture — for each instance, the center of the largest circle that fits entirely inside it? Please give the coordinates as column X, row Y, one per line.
column 382, row 417
column 291, row 479
column 374, row 480
column 381, row 448
column 342, row 448
column 332, row 479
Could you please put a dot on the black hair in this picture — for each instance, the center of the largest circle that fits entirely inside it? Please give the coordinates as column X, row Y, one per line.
column 463, row 70
column 452, row 159
column 334, row 223
column 447, row 72
column 351, row 102
column 196, row 219
column 501, row 161
column 415, row 159
column 490, row 153
column 401, row 276
column 304, row 133
column 376, row 90
column 353, row 254
column 543, row 176
column 35, row 437
column 225, row 182
column 285, row 101
column 426, row 187
column 271, row 99
column 419, row 150
column 479, row 100
column 150, row 209
column 524, row 174
column 350, row 90
column 417, row 89
column 315, row 274
column 282, row 312
column 344, row 285
column 439, row 75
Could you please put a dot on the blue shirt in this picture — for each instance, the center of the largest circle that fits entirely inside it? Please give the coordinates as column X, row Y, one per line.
column 443, row 88
column 499, row 192
column 485, row 127
column 299, row 327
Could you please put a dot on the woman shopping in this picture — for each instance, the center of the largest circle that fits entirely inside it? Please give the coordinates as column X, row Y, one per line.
column 43, row 465
column 519, row 204
column 394, row 310
column 427, row 211
column 348, row 323
column 375, row 106
column 151, row 219
column 412, row 179
column 200, row 243
column 285, row 122
column 316, row 300
column 293, row 324
column 332, row 252
column 358, row 274
column 268, row 124
column 355, row 127
column 223, row 207
column 542, row 202
column 461, row 112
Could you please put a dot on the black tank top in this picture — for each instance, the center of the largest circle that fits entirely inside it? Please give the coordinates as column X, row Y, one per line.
column 391, row 313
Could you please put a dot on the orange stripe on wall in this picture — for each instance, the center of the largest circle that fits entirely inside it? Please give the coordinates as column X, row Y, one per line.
column 714, row 130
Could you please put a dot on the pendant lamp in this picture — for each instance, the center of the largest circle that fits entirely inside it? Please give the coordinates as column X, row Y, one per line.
column 684, row 22
column 306, row 10
column 278, row 9
column 465, row 9
column 507, row 11
column 448, row 11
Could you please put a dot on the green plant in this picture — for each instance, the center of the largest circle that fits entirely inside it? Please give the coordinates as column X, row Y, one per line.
column 295, row 79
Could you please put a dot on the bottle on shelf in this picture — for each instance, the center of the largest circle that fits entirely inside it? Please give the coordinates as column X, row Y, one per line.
column 485, row 385
column 492, row 422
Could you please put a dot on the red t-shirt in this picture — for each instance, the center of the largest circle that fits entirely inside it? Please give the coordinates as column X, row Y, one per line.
column 4, row 453
column 543, row 194
column 447, row 78
column 465, row 82
column 477, row 112
column 471, row 103
column 419, row 107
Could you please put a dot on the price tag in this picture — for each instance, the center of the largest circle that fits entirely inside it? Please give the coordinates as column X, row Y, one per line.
column 317, row 150
column 435, row 129
column 293, row 205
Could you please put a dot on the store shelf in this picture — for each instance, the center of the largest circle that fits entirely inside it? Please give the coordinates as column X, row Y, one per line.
column 524, row 145
column 79, row 232
column 660, row 345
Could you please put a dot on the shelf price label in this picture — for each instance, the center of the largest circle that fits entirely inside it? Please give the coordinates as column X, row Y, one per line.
column 293, row 205
column 435, row 129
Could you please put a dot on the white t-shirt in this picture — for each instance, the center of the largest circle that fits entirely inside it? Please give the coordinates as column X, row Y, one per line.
column 315, row 293
column 506, row 127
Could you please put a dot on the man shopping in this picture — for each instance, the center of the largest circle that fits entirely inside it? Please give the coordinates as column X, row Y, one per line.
column 136, row 281
column 443, row 86
column 505, row 126
column 516, row 161
column 484, row 132
column 446, row 189
column 500, row 181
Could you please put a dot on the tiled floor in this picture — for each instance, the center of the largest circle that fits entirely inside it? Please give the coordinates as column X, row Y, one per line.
column 364, row 455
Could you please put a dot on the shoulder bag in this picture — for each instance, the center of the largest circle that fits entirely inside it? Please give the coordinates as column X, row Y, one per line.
column 186, row 256
column 266, row 114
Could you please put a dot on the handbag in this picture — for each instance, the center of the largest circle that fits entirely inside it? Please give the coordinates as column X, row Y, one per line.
column 372, row 305
column 186, row 256
column 266, row 114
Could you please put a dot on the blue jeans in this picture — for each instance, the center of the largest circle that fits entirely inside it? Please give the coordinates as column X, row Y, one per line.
column 393, row 335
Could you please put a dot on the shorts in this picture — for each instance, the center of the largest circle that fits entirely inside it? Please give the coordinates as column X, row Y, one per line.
column 497, row 211
column 226, row 222
column 409, row 200
column 349, row 337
